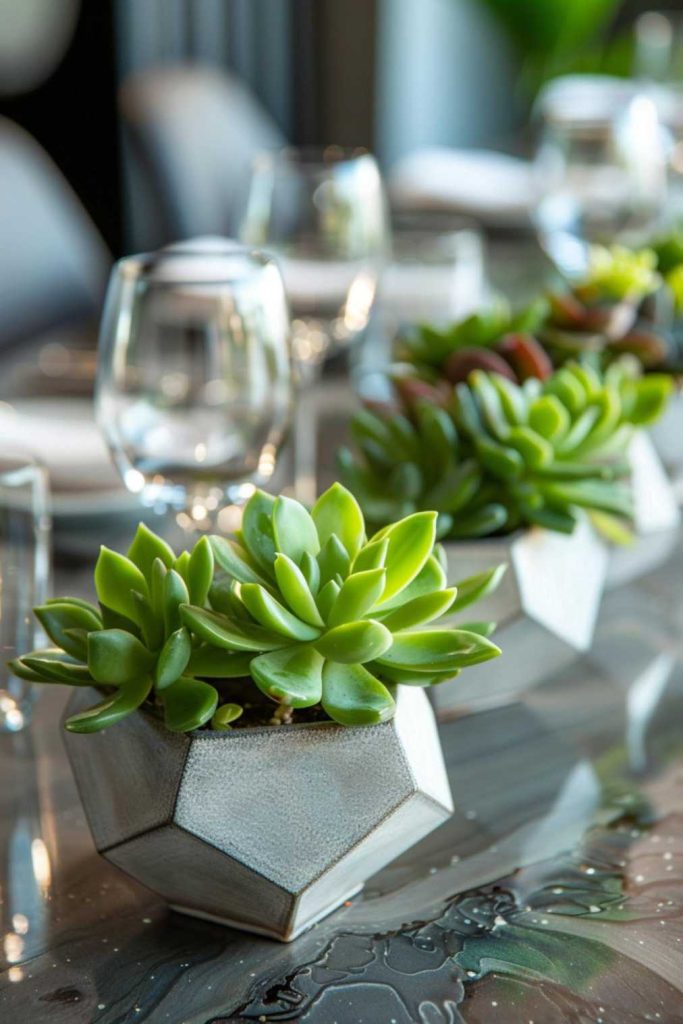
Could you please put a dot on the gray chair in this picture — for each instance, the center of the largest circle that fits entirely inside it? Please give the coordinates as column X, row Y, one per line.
column 191, row 134
column 53, row 263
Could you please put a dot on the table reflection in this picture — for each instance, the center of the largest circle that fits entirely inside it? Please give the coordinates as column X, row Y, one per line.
column 555, row 888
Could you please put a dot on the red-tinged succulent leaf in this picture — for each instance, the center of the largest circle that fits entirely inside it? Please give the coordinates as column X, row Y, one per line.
column 526, row 356
column 644, row 343
column 413, row 390
column 460, row 364
column 612, row 320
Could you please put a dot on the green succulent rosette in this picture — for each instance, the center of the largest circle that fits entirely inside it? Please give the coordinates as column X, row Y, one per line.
column 502, row 456
column 615, row 309
column 496, row 339
column 301, row 603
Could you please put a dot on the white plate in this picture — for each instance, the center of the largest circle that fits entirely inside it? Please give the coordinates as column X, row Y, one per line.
column 63, row 435
column 495, row 188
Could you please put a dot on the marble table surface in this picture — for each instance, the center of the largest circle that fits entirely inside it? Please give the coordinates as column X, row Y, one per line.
column 554, row 894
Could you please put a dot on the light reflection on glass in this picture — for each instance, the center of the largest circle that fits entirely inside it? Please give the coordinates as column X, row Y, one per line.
column 40, row 860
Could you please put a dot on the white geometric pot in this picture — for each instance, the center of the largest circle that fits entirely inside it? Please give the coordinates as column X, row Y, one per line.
column 267, row 829
column 546, row 609
column 656, row 516
column 667, row 433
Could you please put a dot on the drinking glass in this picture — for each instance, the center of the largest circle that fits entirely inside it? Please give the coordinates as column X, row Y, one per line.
column 194, row 383
column 437, row 270
column 323, row 215
column 658, row 64
column 24, row 576
column 600, row 168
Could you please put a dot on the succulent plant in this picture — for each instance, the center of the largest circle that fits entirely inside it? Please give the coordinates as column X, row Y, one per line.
column 496, row 340
column 302, row 604
column 504, row 455
column 609, row 312
column 133, row 643
column 326, row 616
column 618, row 274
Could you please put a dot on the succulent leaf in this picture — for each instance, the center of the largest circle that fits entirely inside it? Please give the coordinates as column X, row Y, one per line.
column 411, row 542
column 327, row 597
column 437, row 650
column 474, row 588
column 353, row 696
column 228, row 634
column 268, row 611
column 59, row 619
column 233, row 560
column 294, row 529
column 296, row 591
column 47, row 665
column 359, row 593
column 146, row 547
column 115, row 579
column 257, row 530
column 115, row 657
column 420, row 610
column 200, row 571
column 372, row 555
column 337, row 512
column 224, row 715
column 189, row 704
column 291, row 676
column 108, row 712
column 175, row 595
column 353, row 642
column 333, row 559
column 173, row 659
column 218, row 663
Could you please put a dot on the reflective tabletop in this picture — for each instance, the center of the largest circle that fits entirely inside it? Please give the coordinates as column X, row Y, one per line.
column 554, row 894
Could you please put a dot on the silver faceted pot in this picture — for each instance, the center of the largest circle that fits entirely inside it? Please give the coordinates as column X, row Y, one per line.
column 267, row 829
column 656, row 516
column 546, row 608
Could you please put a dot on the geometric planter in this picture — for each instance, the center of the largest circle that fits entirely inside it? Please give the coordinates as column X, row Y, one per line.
column 667, row 433
column 656, row 516
column 546, row 608
column 266, row 829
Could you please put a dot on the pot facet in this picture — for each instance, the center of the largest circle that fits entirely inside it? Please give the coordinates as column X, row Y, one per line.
column 656, row 520
column 546, row 609
column 267, row 829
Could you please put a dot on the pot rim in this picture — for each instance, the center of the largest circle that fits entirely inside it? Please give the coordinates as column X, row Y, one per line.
column 256, row 729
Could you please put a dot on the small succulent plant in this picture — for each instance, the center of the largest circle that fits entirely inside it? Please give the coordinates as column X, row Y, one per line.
column 503, row 455
column 610, row 311
column 301, row 603
column 496, row 340
column 133, row 643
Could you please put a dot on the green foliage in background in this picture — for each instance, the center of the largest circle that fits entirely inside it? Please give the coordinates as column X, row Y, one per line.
column 557, row 36
column 503, row 455
column 495, row 339
column 622, row 306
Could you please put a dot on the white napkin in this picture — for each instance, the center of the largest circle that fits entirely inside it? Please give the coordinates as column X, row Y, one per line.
column 63, row 435
column 495, row 188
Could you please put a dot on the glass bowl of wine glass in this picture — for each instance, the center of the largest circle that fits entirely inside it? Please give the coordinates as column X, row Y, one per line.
column 323, row 215
column 194, row 384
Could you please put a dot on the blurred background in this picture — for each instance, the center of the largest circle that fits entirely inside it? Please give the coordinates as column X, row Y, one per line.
column 127, row 96
column 508, row 134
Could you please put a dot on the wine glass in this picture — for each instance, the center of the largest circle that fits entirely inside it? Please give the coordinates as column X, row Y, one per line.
column 323, row 214
column 193, row 387
column 600, row 168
